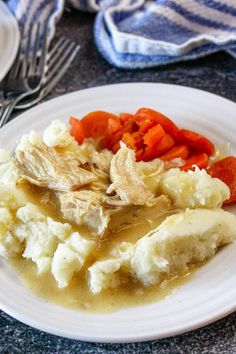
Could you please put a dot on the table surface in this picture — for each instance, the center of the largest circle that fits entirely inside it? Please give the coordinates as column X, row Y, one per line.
column 217, row 74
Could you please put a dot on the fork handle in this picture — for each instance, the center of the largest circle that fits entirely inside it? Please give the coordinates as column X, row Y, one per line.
column 6, row 110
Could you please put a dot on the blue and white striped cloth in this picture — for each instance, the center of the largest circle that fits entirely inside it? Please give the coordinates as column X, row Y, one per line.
column 146, row 33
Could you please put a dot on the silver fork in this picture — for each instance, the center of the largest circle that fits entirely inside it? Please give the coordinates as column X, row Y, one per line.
column 27, row 73
column 58, row 61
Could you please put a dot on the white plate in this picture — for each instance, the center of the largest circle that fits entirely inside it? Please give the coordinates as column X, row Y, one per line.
column 210, row 295
column 9, row 39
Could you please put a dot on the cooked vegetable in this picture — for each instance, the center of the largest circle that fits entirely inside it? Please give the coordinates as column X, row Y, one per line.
column 180, row 150
column 225, row 170
column 149, row 133
column 129, row 140
column 159, row 118
column 154, row 135
column 196, row 140
column 124, row 117
column 198, row 159
column 160, row 148
column 77, row 129
column 96, row 123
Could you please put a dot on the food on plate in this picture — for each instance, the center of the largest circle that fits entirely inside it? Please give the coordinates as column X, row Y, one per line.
column 149, row 133
column 113, row 206
column 225, row 170
column 168, row 250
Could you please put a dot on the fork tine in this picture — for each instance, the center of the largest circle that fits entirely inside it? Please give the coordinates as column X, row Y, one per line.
column 56, row 46
column 58, row 64
column 35, row 49
column 51, row 83
column 44, row 50
column 25, row 63
column 17, row 63
column 57, row 55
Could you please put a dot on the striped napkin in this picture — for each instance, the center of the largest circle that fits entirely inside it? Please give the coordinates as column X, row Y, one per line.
column 141, row 33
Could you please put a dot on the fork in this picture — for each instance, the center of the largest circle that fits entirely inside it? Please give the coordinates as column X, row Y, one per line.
column 58, row 61
column 27, row 73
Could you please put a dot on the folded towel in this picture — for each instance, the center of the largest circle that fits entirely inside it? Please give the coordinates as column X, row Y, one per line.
column 140, row 33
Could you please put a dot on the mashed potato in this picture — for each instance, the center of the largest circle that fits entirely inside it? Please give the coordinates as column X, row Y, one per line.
column 57, row 134
column 26, row 230
column 193, row 189
column 181, row 240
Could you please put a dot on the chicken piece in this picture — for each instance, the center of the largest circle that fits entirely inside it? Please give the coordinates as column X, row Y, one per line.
column 102, row 182
column 85, row 207
column 126, row 179
column 83, row 152
column 151, row 173
column 102, row 160
column 47, row 167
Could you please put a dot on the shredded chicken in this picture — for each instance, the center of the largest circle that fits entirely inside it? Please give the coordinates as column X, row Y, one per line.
column 85, row 207
column 83, row 152
column 47, row 167
column 127, row 181
column 102, row 160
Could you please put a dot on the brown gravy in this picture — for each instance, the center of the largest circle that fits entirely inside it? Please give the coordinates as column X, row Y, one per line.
column 77, row 295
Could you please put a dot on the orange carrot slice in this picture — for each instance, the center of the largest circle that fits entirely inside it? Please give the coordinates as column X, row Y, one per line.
column 225, row 170
column 160, row 148
column 196, row 140
column 154, row 135
column 77, row 129
column 180, row 150
column 129, row 140
column 159, row 118
column 199, row 159
column 96, row 123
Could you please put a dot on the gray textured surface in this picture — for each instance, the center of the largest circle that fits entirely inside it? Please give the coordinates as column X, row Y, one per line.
column 216, row 74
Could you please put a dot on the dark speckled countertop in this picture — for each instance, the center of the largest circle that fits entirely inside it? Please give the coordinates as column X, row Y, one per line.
column 216, row 73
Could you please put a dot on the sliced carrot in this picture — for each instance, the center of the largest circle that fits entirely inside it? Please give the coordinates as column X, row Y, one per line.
column 128, row 127
column 160, row 148
column 145, row 125
column 180, row 150
column 159, row 118
column 199, row 159
column 139, row 154
column 106, row 142
column 138, row 140
column 129, row 140
column 154, row 135
column 225, row 170
column 124, row 117
column 96, row 123
column 115, row 148
column 77, row 129
column 113, row 125
column 196, row 140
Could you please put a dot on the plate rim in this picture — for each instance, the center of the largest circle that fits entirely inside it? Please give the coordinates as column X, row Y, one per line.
column 74, row 92
column 129, row 338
